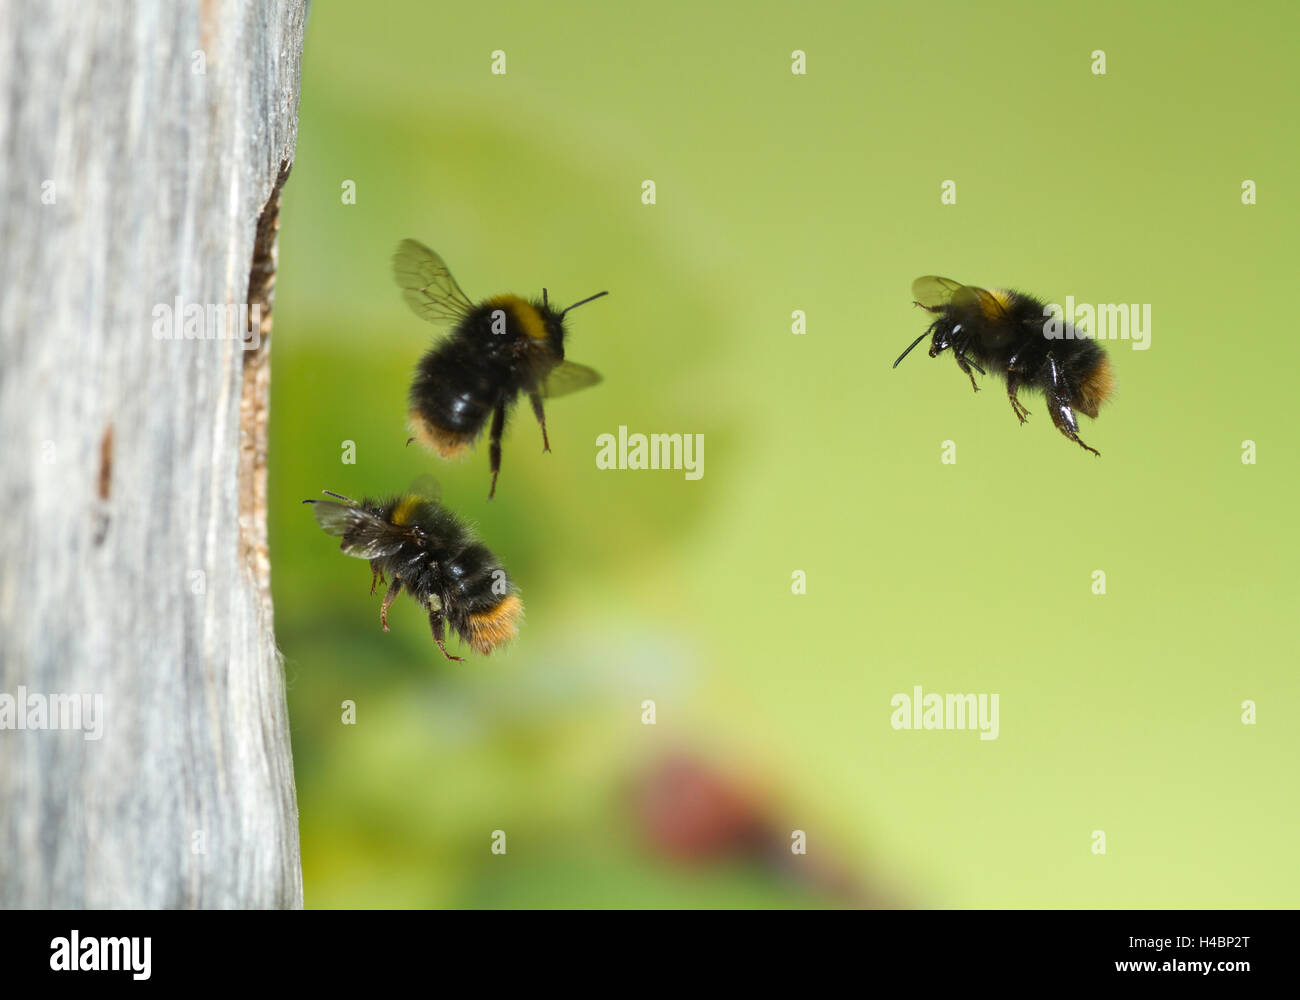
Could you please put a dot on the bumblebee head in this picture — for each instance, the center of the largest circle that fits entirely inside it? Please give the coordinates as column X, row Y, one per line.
column 945, row 332
column 555, row 321
column 942, row 333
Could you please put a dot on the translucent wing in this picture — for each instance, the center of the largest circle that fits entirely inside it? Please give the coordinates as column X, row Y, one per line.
column 969, row 295
column 427, row 487
column 566, row 377
column 427, row 284
column 934, row 292
column 364, row 535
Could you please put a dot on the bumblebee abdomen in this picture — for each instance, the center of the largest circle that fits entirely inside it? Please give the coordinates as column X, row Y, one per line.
column 469, row 577
column 1081, row 366
column 1092, row 380
column 485, row 630
column 452, row 396
column 482, row 604
column 454, row 408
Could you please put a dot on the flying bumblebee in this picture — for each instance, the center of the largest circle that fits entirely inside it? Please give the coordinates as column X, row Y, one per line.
column 432, row 556
column 1005, row 332
column 497, row 349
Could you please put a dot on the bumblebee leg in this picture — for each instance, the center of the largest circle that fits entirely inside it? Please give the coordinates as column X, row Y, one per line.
column 1058, row 404
column 536, row 400
column 394, row 589
column 1013, row 387
column 375, row 574
column 498, row 425
column 964, row 365
column 439, row 635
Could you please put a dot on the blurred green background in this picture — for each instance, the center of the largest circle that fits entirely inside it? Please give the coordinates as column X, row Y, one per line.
column 778, row 192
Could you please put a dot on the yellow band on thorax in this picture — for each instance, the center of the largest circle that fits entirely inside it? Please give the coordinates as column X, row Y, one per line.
column 406, row 508
column 522, row 312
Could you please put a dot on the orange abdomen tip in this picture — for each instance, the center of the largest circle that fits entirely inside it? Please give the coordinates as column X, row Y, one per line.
column 489, row 629
column 445, row 443
column 1097, row 387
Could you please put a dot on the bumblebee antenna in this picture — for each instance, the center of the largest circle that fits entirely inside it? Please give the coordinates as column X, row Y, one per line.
column 545, row 304
column 909, row 349
column 590, row 298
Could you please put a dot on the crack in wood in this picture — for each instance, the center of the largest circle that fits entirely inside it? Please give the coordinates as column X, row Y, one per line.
column 255, row 398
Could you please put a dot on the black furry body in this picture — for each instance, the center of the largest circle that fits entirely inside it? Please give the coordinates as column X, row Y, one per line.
column 1017, row 348
column 1006, row 334
column 497, row 349
column 422, row 548
column 462, row 380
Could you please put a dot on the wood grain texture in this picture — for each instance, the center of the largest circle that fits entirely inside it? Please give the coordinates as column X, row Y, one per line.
column 132, row 486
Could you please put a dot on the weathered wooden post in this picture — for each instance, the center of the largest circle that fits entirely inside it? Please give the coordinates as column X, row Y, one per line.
column 144, row 741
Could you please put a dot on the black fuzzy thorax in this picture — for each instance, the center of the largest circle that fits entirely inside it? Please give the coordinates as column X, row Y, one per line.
column 463, row 378
column 1021, row 334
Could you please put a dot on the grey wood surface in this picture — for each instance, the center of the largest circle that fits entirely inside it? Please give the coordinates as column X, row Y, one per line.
column 142, row 143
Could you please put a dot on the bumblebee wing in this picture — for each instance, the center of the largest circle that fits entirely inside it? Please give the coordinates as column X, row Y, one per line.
column 969, row 295
column 934, row 292
column 427, row 284
column 426, row 487
column 566, row 377
column 364, row 535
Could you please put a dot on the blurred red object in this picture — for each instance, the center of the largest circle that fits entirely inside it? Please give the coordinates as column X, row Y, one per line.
column 693, row 813
column 690, row 812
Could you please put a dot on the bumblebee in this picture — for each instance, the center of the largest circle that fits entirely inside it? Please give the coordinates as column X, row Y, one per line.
column 1004, row 331
column 432, row 556
column 497, row 349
